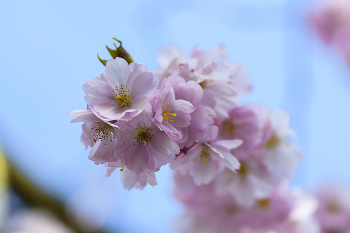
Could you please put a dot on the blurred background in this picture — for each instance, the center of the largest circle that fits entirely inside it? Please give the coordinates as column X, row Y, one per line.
column 48, row 49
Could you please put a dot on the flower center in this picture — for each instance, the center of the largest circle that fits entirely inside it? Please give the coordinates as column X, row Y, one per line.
column 263, row 203
column 205, row 156
column 167, row 114
column 273, row 141
column 122, row 96
column 333, row 207
column 242, row 171
column 203, row 84
column 231, row 210
column 144, row 135
column 228, row 128
column 101, row 132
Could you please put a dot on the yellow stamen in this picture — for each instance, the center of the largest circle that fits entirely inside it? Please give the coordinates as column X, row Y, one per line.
column 101, row 132
column 121, row 169
column 167, row 114
column 263, row 203
column 273, row 141
column 205, row 155
column 123, row 98
column 242, row 171
column 144, row 135
column 228, row 128
column 333, row 207
column 203, row 84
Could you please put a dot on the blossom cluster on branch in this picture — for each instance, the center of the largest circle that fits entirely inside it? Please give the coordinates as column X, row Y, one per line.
column 232, row 161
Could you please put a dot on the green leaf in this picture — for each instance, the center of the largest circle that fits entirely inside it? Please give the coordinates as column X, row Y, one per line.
column 104, row 62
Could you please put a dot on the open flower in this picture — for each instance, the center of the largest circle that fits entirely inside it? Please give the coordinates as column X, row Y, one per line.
column 246, row 123
column 208, row 157
column 225, row 80
column 131, row 179
column 122, row 92
column 144, row 147
column 248, row 184
column 171, row 115
column 203, row 115
column 99, row 135
column 333, row 212
column 281, row 156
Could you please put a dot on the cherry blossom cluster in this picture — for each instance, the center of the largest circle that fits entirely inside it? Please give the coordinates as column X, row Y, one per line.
column 281, row 211
column 137, row 120
column 331, row 21
column 227, row 187
column 232, row 161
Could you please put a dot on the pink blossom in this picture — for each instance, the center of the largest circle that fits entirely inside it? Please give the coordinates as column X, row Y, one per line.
column 131, row 179
column 97, row 134
column 143, row 146
column 170, row 114
column 332, row 23
column 249, row 183
column 267, row 213
column 333, row 212
column 122, row 92
column 188, row 193
column 222, row 215
column 246, row 123
column 226, row 81
column 301, row 218
column 331, row 18
column 281, row 156
column 202, row 116
column 187, row 223
column 207, row 157
column 170, row 59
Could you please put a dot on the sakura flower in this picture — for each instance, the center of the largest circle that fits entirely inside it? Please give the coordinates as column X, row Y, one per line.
column 225, row 95
column 187, row 223
column 246, row 123
column 331, row 21
column 144, row 147
column 97, row 134
column 171, row 60
column 333, row 212
column 170, row 114
column 121, row 92
column 272, row 211
column 190, row 194
column 228, row 85
column 281, row 156
column 301, row 218
column 131, row 179
column 201, row 117
column 331, row 18
column 218, row 214
column 249, row 230
column 211, row 70
column 207, row 158
column 249, row 183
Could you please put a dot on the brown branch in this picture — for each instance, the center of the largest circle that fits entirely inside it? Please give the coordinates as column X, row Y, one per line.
column 34, row 197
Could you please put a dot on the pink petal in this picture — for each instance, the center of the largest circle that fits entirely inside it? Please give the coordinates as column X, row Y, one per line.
column 136, row 157
column 117, row 72
column 144, row 85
